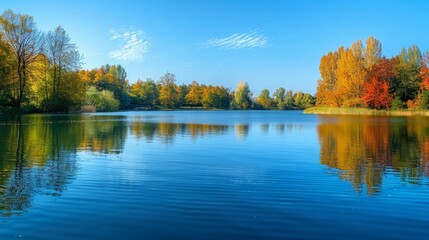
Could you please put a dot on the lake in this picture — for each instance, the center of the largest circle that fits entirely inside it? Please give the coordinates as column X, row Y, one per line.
column 213, row 175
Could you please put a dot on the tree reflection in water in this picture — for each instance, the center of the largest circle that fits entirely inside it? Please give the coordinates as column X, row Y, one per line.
column 38, row 152
column 364, row 148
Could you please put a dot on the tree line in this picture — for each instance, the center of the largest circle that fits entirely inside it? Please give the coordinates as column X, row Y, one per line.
column 42, row 72
column 360, row 76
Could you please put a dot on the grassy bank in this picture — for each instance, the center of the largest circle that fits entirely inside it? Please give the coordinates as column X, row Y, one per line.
column 363, row 111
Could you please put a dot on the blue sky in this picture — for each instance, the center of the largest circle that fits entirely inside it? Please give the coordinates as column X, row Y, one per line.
column 265, row 43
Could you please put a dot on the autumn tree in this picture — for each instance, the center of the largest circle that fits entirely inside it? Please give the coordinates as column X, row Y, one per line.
column 372, row 54
column 376, row 94
column 384, row 70
column 144, row 93
column 5, row 75
column 344, row 73
column 326, row 89
column 264, row 99
column 423, row 96
column 351, row 75
column 424, row 72
column 112, row 78
column 193, row 98
column 216, row 97
column 25, row 42
column 168, row 95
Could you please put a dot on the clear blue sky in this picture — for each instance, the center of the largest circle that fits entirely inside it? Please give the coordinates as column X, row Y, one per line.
column 266, row 43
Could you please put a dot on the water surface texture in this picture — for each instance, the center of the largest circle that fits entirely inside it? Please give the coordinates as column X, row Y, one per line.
column 213, row 175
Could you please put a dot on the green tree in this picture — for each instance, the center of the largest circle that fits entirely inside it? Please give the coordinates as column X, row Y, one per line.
column 406, row 84
column 264, row 99
column 307, row 101
column 182, row 91
column 63, row 58
column 279, row 98
column 103, row 100
column 243, row 96
column 113, row 78
column 397, row 104
column 424, row 100
column 289, row 101
column 297, row 99
column 62, row 55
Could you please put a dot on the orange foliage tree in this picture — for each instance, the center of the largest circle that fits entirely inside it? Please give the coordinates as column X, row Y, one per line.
column 424, row 72
column 384, row 69
column 351, row 75
column 345, row 72
column 376, row 94
column 327, row 85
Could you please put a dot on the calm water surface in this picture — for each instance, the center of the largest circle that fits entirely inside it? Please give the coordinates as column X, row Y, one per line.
column 213, row 175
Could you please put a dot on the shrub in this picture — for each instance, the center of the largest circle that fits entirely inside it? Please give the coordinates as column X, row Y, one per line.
column 397, row 104
column 103, row 101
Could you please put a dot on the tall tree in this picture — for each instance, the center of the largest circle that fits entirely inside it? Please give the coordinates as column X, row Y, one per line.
column 327, row 85
column 406, row 85
column 5, row 74
column 264, row 99
column 25, row 42
column 63, row 57
column 279, row 98
column 120, row 78
column 168, row 95
column 193, row 97
column 372, row 53
column 243, row 96
column 424, row 72
column 289, row 100
column 351, row 75
column 182, row 91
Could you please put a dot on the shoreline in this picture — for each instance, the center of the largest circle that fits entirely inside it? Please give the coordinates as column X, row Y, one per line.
column 153, row 110
column 364, row 111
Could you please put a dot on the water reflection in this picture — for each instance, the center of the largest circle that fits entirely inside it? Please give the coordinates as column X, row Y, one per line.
column 242, row 130
column 35, row 158
column 167, row 132
column 364, row 149
column 38, row 152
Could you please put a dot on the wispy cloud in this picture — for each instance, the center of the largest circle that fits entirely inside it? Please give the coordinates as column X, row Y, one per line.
column 250, row 39
column 133, row 45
